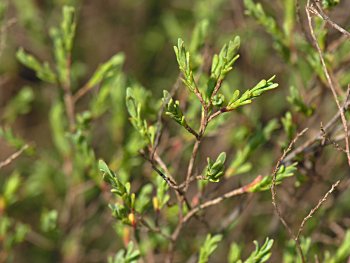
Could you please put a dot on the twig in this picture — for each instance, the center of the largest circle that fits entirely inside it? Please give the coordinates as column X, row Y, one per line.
column 167, row 179
column 309, row 8
column 319, row 11
column 217, row 88
column 160, row 114
column 273, row 193
column 13, row 156
column 214, row 201
column 326, row 138
column 320, row 202
column 81, row 92
column 309, row 143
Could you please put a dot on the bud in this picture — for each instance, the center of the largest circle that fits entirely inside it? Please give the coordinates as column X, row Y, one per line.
column 132, row 219
column 155, row 203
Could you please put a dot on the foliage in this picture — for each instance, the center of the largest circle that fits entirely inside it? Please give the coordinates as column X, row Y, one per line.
column 208, row 247
column 94, row 165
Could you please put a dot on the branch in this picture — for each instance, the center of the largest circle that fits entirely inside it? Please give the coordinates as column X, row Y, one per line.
column 319, row 11
column 320, row 202
column 273, row 193
column 13, row 156
column 310, row 9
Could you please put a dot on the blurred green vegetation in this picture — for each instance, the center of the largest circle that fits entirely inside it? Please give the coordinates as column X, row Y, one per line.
column 84, row 80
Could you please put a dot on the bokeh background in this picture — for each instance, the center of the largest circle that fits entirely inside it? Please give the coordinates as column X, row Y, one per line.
column 146, row 31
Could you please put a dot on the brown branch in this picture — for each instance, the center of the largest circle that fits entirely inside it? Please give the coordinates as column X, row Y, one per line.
column 313, row 211
column 308, row 145
column 13, row 156
column 214, row 201
column 217, row 88
column 319, row 11
column 273, row 193
column 310, row 9
column 81, row 92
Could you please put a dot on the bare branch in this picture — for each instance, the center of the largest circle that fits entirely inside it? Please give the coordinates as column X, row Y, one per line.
column 310, row 9
column 13, row 156
column 313, row 211
column 273, row 193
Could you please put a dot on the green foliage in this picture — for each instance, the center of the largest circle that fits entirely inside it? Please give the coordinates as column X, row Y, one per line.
column 183, row 59
column 10, row 188
column 297, row 102
column 290, row 254
column 261, row 254
column 48, row 220
column 134, row 109
column 62, row 38
column 209, row 246
column 11, row 233
column 247, row 97
column 330, row 3
column 157, row 197
column 269, row 23
column 342, row 253
column 234, row 254
column 215, row 170
column 223, row 62
column 130, row 255
column 19, row 105
column 240, row 163
column 173, row 109
column 265, row 182
column 161, row 197
column 8, row 135
column 288, row 125
column 107, row 69
column 42, row 70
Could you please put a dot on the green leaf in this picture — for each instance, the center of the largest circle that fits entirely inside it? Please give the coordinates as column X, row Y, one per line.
column 209, row 246
column 107, row 69
column 162, row 193
column 223, row 62
column 282, row 173
column 269, row 23
column 327, row 4
column 130, row 255
column 172, row 109
column 234, row 254
column 42, row 70
column 183, row 60
column 198, row 36
column 288, row 126
column 215, row 170
column 262, row 254
column 59, row 128
column 250, row 94
column 143, row 198
column 19, row 105
column 68, row 26
column 134, row 108
column 10, row 188
column 8, row 135
column 297, row 102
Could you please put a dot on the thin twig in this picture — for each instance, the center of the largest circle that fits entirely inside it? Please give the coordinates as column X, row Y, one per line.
column 309, row 8
column 308, row 145
column 319, row 11
column 214, row 201
column 217, row 88
column 313, row 211
column 81, row 92
column 13, row 156
column 273, row 193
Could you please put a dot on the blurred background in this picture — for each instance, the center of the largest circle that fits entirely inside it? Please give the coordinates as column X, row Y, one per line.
column 145, row 31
